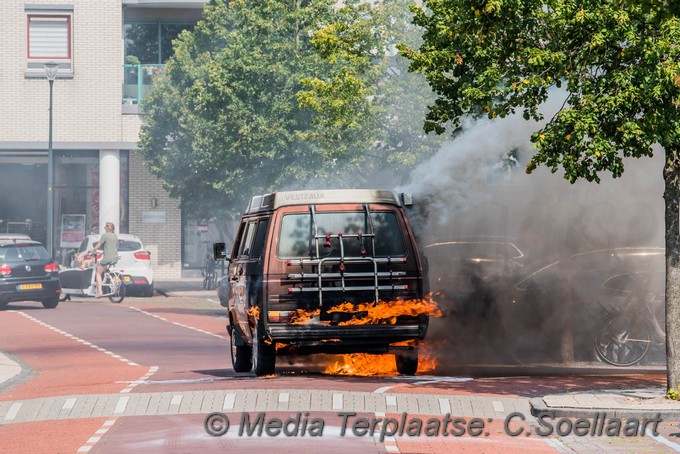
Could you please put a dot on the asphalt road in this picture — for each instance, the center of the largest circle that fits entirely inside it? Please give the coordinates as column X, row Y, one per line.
column 142, row 376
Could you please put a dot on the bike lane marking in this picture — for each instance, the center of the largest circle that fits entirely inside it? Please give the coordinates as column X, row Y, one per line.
column 176, row 323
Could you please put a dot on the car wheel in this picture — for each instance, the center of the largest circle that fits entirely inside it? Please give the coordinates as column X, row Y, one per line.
column 407, row 362
column 264, row 353
column 241, row 355
column 148, row 292
column 51, row 303
column 64, row 297
column 3, row 304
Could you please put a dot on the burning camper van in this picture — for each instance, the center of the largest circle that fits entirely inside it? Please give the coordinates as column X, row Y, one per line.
column 328, row 271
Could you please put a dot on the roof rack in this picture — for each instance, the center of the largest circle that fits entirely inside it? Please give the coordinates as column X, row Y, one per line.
column 276, row 200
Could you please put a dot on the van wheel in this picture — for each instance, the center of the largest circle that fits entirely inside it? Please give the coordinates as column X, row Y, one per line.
column 241, row 355
column 407, row 362
column 264, row 354
column 50, row 303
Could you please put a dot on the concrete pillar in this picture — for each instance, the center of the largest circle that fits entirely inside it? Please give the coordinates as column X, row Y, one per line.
column 109, row 188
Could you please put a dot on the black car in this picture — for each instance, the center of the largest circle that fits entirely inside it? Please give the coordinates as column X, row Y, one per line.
column 27, row 273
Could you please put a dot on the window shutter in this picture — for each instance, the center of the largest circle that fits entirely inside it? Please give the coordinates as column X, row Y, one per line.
column 48, row 37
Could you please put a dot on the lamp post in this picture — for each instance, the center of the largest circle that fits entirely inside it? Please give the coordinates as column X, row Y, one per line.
column 51, row 69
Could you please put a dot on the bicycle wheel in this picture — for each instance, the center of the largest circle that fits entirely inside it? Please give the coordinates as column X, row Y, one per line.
column 113, row 287
column 621, row 340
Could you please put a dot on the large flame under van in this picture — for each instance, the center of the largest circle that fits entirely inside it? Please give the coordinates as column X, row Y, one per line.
column 328, row 271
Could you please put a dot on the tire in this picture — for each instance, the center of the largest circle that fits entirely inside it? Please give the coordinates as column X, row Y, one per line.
column 50, row 303
column 407, row 362
column 113, row 283
column 3, row 304
column 63, row 297
column 241, row 355
column 621, row 340
column 264, row 354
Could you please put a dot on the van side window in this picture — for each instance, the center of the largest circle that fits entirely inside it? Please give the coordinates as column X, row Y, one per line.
column 236, row 248
column 260, row 236
column 247, row 242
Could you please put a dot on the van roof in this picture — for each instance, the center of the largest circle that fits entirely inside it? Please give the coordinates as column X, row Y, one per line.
column 274, row 200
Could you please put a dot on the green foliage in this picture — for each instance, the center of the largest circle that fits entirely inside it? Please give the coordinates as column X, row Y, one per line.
column 368, row 107
column 223, row 122
column 617, row 61
column 261, row 96
column 673, row 393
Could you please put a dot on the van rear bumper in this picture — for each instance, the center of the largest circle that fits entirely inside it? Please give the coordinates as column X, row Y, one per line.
column 356, row 334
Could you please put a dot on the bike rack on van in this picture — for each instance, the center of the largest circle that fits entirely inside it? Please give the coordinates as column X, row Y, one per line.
column 318, row 263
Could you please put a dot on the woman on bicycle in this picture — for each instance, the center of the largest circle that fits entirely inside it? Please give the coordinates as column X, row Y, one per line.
column 109, row 241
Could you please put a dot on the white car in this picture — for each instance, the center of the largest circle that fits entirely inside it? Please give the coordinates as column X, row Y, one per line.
column 134, row 263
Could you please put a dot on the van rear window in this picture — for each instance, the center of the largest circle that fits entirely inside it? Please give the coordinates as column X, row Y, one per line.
column 296, row 238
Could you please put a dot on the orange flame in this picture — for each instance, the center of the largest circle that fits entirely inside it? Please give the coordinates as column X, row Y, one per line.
column 387, row 312
column 302, row 317
column 254, row 312
column 367, row 365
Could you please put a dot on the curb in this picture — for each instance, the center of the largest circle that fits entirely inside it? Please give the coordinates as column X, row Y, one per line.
column 10, row 371
column 538, row 406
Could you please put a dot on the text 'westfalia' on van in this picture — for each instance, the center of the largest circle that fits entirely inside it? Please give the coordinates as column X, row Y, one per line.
column 324, row 271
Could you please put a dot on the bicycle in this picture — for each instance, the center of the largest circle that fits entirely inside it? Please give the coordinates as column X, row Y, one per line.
column 625, row 334
column 113, row 285
column 209, row 272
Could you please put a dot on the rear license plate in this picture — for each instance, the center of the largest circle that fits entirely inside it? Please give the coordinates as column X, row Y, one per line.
column 30, row 286
column 127, row 278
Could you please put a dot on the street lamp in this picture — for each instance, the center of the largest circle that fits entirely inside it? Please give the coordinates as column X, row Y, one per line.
column 51, row 69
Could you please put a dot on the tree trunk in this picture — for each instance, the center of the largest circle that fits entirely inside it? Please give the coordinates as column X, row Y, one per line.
column 671, row 175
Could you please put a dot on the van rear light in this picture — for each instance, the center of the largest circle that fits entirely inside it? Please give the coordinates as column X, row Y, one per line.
column 143, row 255
column 51, row 267
column 5, row 270
column 280, row 316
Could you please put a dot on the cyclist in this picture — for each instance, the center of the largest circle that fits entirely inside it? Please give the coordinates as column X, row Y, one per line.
column 109, row 241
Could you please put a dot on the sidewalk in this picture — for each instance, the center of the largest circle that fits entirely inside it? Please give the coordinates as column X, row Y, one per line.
column 191, row 287
column 619, row 403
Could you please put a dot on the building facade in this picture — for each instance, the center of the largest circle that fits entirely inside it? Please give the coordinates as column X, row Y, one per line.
column 108, row 53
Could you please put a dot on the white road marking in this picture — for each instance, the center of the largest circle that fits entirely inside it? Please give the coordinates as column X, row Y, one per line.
column 176, row 399
column 121, row 404
column 674, row 446
column 444, row 406
column 383, row 389
column 284, row 397
column 337, row 401
column 229, row 401
column 13, row 411
column 68, row 405
column 178, row 323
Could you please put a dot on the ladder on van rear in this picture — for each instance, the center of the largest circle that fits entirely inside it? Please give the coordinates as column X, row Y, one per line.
column 326, row 282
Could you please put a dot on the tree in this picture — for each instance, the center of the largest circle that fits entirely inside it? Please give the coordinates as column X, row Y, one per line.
column 248, row 104
column 222, row 121
column 619, row 64
column 370, row 106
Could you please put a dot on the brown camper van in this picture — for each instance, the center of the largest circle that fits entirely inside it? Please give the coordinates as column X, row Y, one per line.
column 328, row 271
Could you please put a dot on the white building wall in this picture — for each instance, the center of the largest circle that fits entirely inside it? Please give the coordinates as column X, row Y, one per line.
column 88, row 109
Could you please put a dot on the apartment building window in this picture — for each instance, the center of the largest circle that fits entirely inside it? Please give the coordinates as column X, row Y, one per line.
column 151, row 41
column 49, row 37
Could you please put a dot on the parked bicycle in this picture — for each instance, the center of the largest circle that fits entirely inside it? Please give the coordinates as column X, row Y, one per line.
column 627, row 332
column 209, row 271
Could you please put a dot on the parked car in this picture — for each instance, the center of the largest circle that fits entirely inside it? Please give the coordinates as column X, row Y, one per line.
column 134, row 263
column 308, row 266
column 503, row 307
column 14, row 236
column 27, row 273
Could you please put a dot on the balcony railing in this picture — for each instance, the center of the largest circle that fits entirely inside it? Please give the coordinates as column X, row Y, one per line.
column 137, row 81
